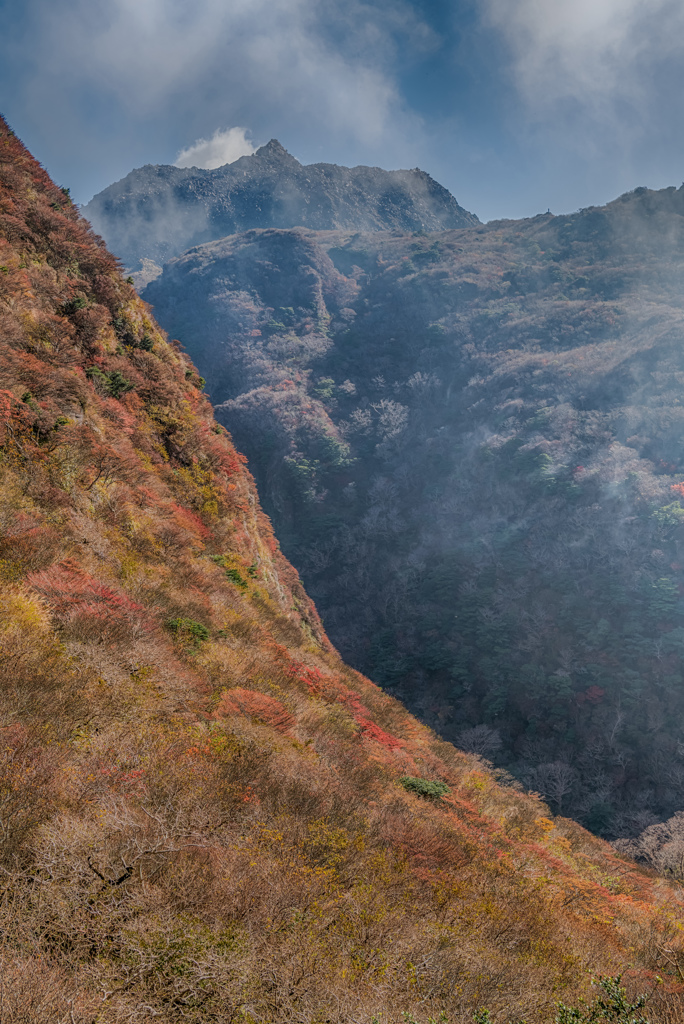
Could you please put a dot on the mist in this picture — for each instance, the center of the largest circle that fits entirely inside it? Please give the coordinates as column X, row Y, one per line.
column 155, row 212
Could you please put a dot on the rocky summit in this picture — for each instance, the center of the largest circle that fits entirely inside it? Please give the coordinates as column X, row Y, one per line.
column 158, row 211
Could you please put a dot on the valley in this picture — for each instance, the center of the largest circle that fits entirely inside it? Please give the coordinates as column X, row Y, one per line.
column 470, row 445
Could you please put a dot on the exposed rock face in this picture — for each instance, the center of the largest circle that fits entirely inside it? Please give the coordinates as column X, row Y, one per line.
column 157, row 212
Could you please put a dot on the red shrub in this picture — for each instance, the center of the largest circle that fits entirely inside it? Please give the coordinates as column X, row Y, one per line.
column 31, row 549
column 257, row 705
column 87, row 606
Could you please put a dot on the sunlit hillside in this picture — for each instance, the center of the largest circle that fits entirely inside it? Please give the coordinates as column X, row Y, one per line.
column 204, row 814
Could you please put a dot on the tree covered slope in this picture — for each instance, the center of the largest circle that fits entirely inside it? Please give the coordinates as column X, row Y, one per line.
column 470, row 443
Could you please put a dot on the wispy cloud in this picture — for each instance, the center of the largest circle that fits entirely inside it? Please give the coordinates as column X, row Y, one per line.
column 597, row 53
column 224, row 147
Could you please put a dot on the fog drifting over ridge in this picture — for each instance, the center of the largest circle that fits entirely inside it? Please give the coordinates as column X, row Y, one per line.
column 478, row 470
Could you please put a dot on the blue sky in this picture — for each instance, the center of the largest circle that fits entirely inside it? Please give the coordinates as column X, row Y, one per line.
column 515, row 105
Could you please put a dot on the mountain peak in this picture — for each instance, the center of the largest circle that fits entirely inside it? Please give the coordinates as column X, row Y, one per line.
column 274, row 150
column 156, row 213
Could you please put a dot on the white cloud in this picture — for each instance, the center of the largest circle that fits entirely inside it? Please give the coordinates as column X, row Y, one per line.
column 598, row 53
column 224, row 147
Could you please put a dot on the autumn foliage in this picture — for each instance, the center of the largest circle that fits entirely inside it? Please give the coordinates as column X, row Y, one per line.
column 201, row 809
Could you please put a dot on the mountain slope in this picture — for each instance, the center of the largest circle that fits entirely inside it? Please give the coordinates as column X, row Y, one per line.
column 157, row 212
column 470, row 444
column 202, row 810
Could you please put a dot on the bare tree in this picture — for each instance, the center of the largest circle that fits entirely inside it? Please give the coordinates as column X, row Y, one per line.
column 554, row 780
column 480, row 740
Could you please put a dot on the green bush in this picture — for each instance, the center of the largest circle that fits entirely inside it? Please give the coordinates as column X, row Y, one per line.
column 98, row 378
column 118, row 384
column 669, row 515
column 80, row 302
column 196, row 381
column 424, row 787
column 233, row 574
column 237, row 578
column 188, row 631
column 114, row 383
column 612, row 1005
column 324, row 389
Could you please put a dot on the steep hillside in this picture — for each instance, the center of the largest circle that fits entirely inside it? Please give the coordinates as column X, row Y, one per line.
column 156, row 212
column 471, row 446
column 204, row 814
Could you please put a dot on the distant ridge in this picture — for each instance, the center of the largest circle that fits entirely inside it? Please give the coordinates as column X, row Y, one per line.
column 158, row 211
